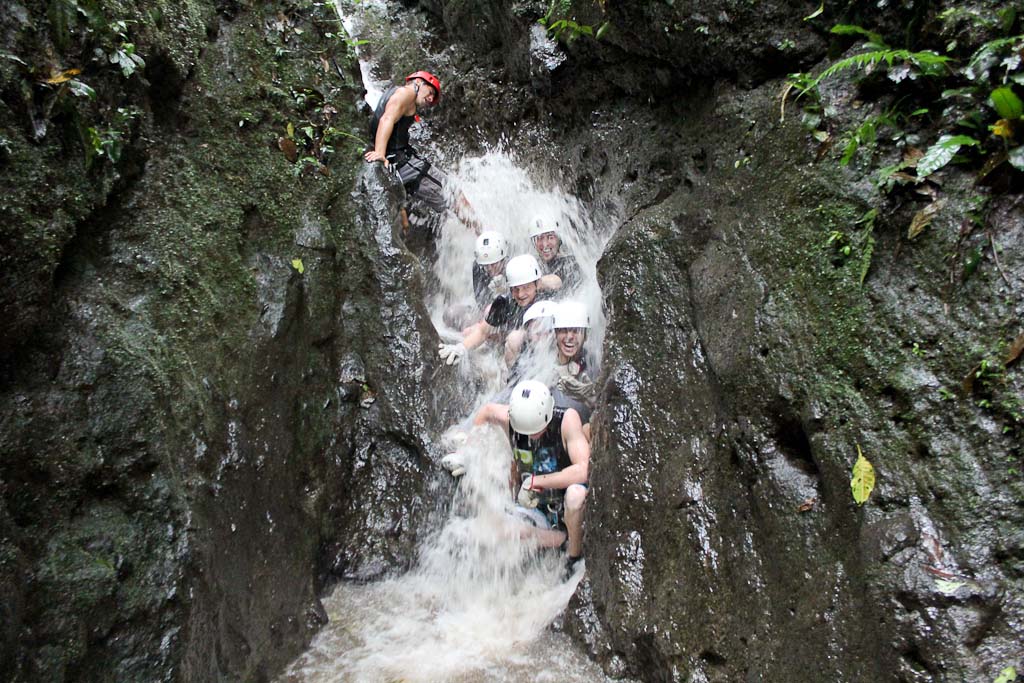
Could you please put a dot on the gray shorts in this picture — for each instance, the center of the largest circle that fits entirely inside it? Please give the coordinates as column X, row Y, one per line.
column 424, row 182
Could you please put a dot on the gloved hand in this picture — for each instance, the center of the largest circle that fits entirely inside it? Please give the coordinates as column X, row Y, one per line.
column 451, row 353
column 454, row 463
column 528, row 497
column 498, row 285
column 575, row 387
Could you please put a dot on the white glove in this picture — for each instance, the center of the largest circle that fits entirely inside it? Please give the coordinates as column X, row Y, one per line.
column 498, row 285
column 451, row 353
column 574, row 387
column 454, row 463
column 528, row 497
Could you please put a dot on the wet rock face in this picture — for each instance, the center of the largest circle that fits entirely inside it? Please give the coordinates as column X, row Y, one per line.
column 745, row 363
column 734, row 407
column 214, row 371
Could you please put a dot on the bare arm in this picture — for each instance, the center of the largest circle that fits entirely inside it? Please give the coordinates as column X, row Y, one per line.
column 402, row 103
column 578, row 448
column 492, row 413
column 549, row 282
column 477, row 335
column 497, row 415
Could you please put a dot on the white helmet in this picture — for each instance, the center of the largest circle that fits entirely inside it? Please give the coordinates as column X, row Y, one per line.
column 531, row 407
column 541, row 309
column 571, row 314
column 521, row 270
column 540, row 225
column 490, row 247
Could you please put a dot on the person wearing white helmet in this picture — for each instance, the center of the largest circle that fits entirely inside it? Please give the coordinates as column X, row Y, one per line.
column 551, row 457
column 524, row 347
column 522, row 274
column 545, row 238
column 576, row 369
column 490, row 256
column 539, row 321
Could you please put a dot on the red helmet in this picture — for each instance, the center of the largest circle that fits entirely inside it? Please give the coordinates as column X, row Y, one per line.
column 429, row 78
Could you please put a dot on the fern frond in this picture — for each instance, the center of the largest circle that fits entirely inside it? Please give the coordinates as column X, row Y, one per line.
column 991, row 47
column 926, row 60
column 852, row 29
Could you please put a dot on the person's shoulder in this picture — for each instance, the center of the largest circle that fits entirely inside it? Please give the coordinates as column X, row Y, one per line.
column 402, row 96
column 571, row 423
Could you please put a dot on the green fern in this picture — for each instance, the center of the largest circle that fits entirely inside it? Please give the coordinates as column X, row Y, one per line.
column 927, row 61
column 868, row 250
column 875, row 40
column 987, row 56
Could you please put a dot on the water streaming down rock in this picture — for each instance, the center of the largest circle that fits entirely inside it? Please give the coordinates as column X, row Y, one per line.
column 478, row 605
column 482, row 595
column 353, row 23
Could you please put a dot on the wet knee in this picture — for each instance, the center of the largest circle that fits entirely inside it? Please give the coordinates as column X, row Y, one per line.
column 575, row 498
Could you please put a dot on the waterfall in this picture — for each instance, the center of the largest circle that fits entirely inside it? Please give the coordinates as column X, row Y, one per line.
column 479, row 603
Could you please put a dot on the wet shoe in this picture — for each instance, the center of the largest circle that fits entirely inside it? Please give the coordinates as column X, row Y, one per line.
column 570, row 567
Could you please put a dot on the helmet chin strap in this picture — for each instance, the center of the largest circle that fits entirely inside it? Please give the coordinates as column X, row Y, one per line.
column 416, row 95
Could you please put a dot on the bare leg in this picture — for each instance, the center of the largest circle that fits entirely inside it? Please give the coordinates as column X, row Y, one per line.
column 575, row 501
column 545, row 538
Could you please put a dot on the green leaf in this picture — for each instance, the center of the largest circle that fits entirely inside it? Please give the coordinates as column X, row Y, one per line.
column 942, row 152
column 971, row 262
column 865, row 259
column 602, row 30
column 1006, row 103
column 850, row 30
column 297, row 265
column 863, row 481
column 1007, row 675
column 1016, row 158
column 816, row 12
column 79, row 89
column 948, row 587
column 13, row 58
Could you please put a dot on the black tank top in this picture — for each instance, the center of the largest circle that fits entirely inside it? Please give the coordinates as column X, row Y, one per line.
column 545, row 455
column 399, row 141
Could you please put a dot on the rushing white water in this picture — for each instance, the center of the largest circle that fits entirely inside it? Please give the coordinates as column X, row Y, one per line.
column 506, row 199
column 353, row 22
column 481, row 600
column 475, row 609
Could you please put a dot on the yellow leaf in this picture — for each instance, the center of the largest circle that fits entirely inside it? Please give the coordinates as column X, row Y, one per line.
column 1002, row 128
column 297, row 265
column 923, row 218
column 291, row 130
column 63, row 76
column 863, row 482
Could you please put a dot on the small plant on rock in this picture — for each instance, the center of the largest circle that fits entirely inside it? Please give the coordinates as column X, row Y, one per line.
column 561, row 23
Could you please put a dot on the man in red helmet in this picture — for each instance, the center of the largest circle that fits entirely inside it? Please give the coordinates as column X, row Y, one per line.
column 397, row 110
